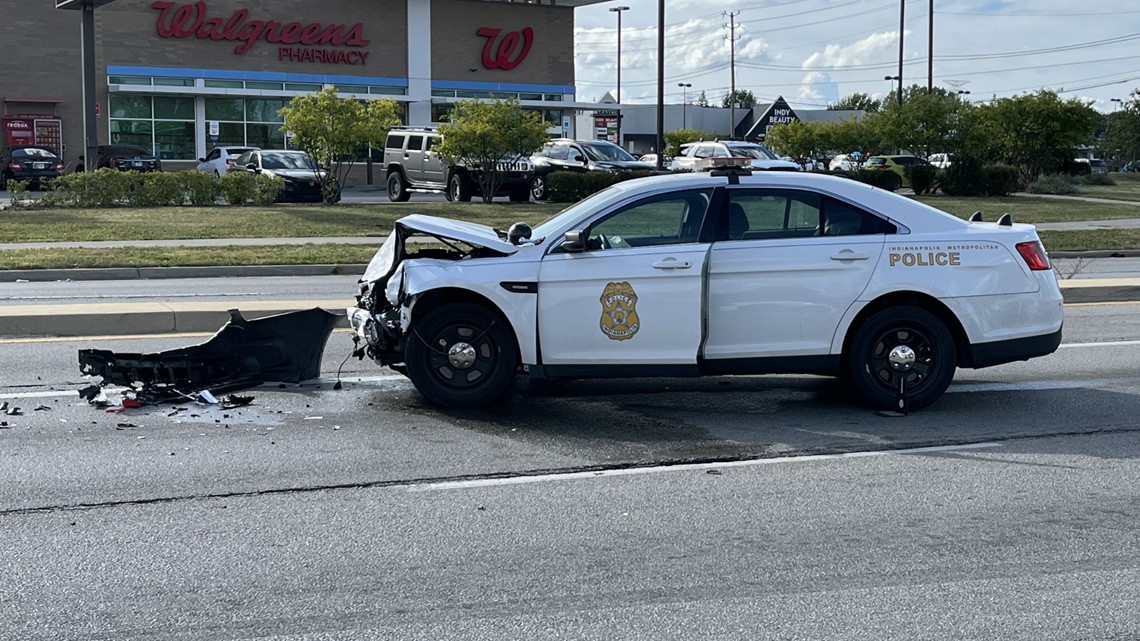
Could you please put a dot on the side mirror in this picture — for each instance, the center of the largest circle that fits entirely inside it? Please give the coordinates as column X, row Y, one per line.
column 252, row 167
column 572, row 241
column 201, row 160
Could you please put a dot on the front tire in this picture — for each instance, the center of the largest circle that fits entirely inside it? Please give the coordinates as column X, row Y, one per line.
column 397, row 188
column 538, row 188
column 459, row 187
column 935, row 357
column 462, row 355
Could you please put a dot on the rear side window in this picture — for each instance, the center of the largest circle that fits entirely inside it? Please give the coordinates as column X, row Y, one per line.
column 395, row 141
column 843, row 219
column 756, row 214
column 908, row 160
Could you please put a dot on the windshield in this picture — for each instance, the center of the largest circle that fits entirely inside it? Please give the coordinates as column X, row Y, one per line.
column 606, row 152
column 555, row 222
column 286, row 161
column 752, row 151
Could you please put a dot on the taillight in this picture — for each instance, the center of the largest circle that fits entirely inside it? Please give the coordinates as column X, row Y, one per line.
column 15, row 165
column 1034, row 255
column 230, row 161
column 59, row 166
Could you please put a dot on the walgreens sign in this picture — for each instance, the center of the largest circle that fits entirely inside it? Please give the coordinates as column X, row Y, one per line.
column 194, row 21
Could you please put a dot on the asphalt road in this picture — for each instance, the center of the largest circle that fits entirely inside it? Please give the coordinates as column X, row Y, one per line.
column 567, row 512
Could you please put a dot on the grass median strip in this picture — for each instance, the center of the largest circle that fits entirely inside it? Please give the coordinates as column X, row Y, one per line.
column 279, row 221
column 1090, row 240
column 1032, row 210
column 67, row 258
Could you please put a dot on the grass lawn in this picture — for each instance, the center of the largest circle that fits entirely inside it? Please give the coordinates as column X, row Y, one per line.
column 1028, row 209
column 1127, row 188
column 280, row 221
column 66, row 258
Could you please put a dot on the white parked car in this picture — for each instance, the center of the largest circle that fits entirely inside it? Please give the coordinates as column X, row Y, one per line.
column 941, row 161
column 710, row 273
column 220, row 159
column 842, row 162
column 760, row 157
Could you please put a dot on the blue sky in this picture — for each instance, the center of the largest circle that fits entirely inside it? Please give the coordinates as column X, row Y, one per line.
column 813, row 52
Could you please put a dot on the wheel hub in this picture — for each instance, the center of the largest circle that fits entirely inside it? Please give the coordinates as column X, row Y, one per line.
column 901, row 358
column 461, row 355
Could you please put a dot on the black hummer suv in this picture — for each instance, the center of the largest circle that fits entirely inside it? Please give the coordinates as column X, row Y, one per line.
column 412, row 165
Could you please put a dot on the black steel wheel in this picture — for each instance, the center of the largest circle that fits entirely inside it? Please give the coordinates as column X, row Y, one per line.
column 462, row 355
column 916, row 333
column 538, row 188
column 397, row 188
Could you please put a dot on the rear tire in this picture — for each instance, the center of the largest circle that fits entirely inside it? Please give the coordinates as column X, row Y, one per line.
column 462, row 355
column 459, row 188
column 397, row 188
column 923, row 332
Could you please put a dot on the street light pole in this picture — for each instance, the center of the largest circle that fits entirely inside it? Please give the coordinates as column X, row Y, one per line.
column 902, row 23
column 892, row 79
column 618, row 11
column 684, row 103
column 660, row 150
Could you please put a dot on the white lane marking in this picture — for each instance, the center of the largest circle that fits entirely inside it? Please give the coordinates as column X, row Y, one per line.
column 266, row 387
column 1102, row 344
column 541, row 478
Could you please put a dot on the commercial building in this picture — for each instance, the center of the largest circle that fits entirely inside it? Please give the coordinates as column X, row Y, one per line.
column 181, row 76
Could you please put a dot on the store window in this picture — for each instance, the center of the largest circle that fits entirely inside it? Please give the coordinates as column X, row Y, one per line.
column 162, row 124
column 246, row 121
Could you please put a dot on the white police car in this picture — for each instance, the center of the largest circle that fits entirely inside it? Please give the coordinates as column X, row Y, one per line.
column 710, row 273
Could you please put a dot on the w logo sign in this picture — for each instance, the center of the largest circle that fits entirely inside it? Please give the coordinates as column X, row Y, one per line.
column 511, row 50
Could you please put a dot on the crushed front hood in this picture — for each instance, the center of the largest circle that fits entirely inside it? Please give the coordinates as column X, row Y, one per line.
column 465, row 232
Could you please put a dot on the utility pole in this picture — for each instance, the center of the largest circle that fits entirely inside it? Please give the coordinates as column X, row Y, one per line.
column 660, row 150
column 732, row 38
column 930, row 53
column 618, row 11
column 902, row 25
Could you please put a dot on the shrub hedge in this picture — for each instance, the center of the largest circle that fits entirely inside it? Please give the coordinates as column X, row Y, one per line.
column 110, row 187
column 923, row 178
column 572, row 186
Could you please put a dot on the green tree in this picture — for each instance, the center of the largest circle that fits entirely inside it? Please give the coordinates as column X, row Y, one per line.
column 1035, row 132
column 1122, row 131
column 333, row 130
column 925, row 122
column 702, row 100
column 481, row 136
column 800, row 139
column 744, row 98
column 857, row 102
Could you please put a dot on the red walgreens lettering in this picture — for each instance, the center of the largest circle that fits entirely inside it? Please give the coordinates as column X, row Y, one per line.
column 508, row 55
column 193, row 20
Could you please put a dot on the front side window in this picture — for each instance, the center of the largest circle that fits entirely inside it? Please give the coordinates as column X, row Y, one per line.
column 666, row 219
column 606, row 152
column 415, row 143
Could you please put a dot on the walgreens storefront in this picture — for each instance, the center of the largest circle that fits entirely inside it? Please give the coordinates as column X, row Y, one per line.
column 182, row 77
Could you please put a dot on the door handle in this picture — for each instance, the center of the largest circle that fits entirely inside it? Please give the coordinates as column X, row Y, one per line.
column 672, row 263
column 847, row 254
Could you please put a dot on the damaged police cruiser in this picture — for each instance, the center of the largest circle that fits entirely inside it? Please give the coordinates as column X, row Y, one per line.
column 710, row 273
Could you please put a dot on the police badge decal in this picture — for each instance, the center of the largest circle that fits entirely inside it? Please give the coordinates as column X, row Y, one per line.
column 619, row 311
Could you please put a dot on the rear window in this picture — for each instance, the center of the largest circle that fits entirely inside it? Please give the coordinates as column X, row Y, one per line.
column 235, row 151
column 876, row 160
column 32, row 152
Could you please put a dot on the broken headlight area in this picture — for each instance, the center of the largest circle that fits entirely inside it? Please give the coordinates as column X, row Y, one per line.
column 244, row 353
column 376, row 320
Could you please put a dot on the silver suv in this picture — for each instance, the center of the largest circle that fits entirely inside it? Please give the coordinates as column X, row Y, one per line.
column 412, row 165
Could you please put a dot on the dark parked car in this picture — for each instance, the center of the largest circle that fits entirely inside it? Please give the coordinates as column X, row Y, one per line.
column 32, row 164
column 579, row 155
column 123, row 158
column 296, row 167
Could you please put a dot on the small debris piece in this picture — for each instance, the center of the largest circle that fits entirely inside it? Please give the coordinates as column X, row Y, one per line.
column 313, row 418
column 714, row 472
column 206, row 398
column 234, row 400
column 4, row 425
column 13, row 411
column 132, row 402
column 42, row 408
column 90, row 392
column 116, row 410
column 126, row 425
column 4, row 406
